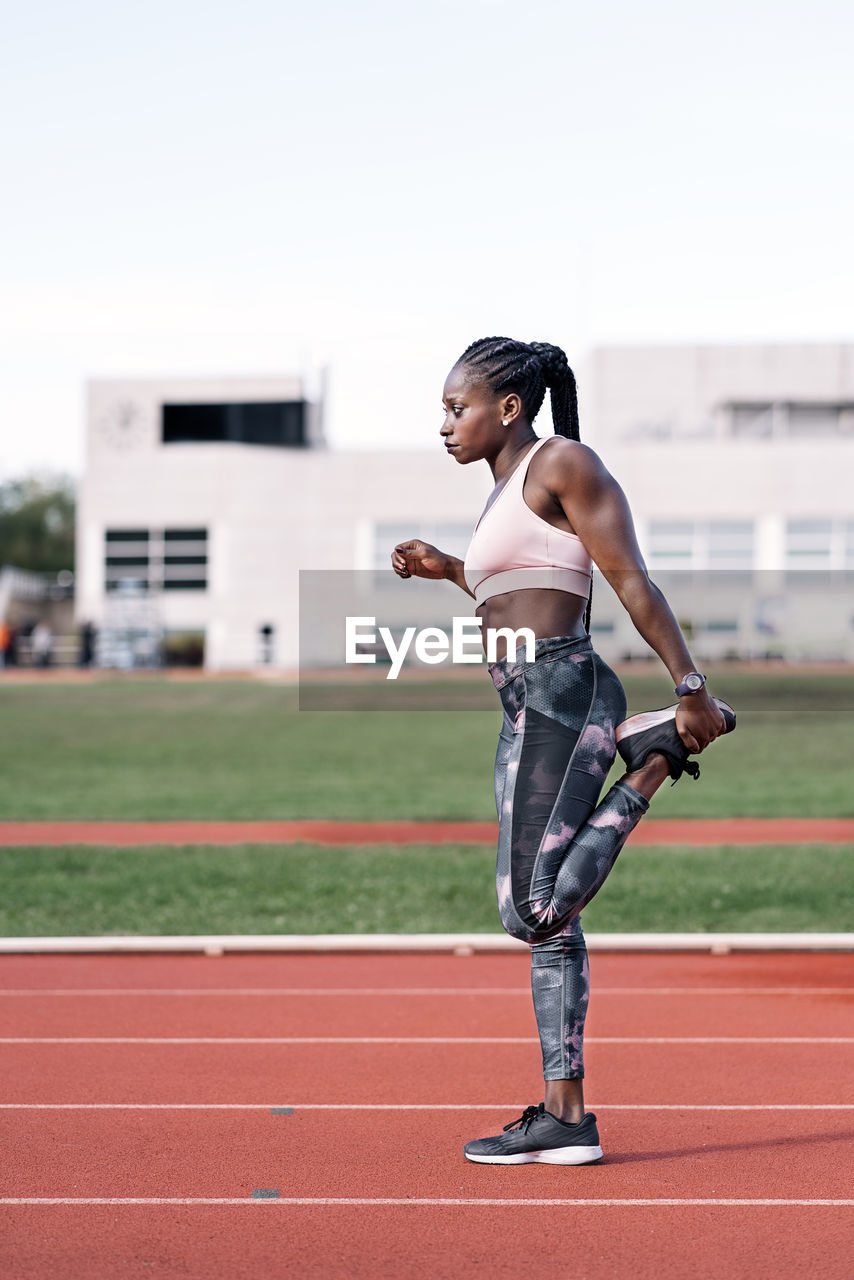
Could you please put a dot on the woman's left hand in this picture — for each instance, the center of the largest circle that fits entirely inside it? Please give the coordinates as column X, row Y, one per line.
column 699, row 721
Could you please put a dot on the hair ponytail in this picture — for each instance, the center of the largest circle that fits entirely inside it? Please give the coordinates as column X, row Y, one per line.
column 560, row 381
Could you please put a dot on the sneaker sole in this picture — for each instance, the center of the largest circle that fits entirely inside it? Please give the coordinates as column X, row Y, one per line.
column 643, row 721
column 651, row 719
column 554, row 1155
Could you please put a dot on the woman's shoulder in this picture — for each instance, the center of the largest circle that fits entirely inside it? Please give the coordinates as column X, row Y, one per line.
column 562, row 460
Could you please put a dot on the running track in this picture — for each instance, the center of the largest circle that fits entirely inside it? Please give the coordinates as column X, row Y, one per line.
column 138, row 1097
column 652, row 831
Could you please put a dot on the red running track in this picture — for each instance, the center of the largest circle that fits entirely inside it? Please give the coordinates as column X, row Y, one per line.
column 141, row 1158
column 652, row 831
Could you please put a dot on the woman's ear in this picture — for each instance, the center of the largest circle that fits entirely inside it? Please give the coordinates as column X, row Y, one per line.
column 511, row 407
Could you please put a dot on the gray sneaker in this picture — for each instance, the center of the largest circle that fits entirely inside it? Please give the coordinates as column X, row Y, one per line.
column 650, row 731
column 538, row 1137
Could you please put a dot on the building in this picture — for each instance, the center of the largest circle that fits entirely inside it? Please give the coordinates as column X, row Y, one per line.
column 738, row 462
column 203, row 500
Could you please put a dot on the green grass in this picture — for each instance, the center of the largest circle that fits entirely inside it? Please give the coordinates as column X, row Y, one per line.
column 157, row 749
column 420, row 889
column 154, row 749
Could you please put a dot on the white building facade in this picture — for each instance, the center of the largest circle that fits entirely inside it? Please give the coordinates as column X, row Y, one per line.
column 738, row 462
column 185, row 529
column 203, row 499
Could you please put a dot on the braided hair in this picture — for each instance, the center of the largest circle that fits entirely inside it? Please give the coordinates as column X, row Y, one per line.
column 527, row 368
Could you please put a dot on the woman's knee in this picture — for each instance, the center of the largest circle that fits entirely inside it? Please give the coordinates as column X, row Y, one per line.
column 532, row 931
column 517, row 928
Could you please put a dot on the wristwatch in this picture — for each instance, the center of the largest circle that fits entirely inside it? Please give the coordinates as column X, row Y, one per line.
column 692, row 683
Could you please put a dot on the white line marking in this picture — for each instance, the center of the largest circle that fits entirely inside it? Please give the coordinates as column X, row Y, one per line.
column 249, row 1040
column 417, row 1201
column 271, row 991
column 415, row 1106
column 417, row 991
column 465, row 943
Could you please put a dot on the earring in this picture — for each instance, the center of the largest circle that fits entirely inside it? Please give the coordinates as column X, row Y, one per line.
column 506, row 422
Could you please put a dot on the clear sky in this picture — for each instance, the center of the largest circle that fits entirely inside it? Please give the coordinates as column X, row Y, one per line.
column 265, row 186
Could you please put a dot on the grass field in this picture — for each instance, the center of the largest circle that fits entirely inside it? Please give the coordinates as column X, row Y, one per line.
column 415, row 889
column 156, row 749
column 126, row 749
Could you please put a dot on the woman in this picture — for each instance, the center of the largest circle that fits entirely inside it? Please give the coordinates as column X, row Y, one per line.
column 553, row 510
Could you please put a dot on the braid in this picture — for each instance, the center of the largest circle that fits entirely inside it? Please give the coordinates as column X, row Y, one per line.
column 561, row 382
column 527, row 368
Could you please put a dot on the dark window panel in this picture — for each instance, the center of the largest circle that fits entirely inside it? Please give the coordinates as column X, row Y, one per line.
column 280, row 423
column 113, row 584
column 185, row 584
column 185, row 535
column 185, row 559
column 117, row 562
column 127, row 535
column 277, row 423
column 194, row 423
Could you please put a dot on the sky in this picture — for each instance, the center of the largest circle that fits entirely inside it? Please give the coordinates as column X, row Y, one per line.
column 270, row 188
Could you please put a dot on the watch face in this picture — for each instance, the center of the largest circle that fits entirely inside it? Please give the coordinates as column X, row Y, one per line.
column 694, row 682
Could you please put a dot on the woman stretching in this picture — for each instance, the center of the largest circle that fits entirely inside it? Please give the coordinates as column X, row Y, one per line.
column 553, row 511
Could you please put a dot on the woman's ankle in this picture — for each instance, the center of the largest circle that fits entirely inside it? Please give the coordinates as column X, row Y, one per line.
column 565, row 1100
column 648, row 778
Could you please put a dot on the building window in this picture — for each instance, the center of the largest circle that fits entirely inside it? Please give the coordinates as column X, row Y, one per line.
column 752, row 421
column 280, row 423
column 127, row 558
column 730, row 544
column 156, row 560
column 450, row 537
column 794, row 420
column 809, row 544
column 848, row 544
column 672, row 544
column 701, row 544
column 820, row 544
column 811, row 420
column 185, row 560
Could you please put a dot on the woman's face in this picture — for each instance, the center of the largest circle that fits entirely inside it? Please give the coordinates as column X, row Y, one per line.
column 472, row 428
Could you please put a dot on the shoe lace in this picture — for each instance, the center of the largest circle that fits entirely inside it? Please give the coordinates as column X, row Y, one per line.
column 525, row 1119
column 691, row 767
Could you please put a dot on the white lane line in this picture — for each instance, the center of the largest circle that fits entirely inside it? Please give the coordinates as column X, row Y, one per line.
column 416, row 991
column 415, row 1106
column 269, row 991
column 420, row 1201
column 283, row 1040
column 417, row 944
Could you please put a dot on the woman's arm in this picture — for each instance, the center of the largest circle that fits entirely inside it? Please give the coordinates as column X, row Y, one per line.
column 597, row 510
column 417, row 559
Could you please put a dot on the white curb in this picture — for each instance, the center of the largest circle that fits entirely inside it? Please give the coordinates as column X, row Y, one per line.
column 459, row 943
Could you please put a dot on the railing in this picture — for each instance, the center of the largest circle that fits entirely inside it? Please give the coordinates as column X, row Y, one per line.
column 64, row 652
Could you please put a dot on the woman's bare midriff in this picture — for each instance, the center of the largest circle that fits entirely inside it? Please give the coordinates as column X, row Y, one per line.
column 546, row 613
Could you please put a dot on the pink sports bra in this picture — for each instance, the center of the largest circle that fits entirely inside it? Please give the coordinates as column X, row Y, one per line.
column 512, row 548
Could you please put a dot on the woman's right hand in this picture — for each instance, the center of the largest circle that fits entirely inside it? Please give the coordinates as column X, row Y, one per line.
column 417, row 559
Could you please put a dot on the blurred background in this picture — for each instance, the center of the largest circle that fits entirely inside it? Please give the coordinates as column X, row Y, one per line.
column 243, row 246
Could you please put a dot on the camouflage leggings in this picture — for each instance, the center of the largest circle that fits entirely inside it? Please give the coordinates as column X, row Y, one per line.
column 555, row 845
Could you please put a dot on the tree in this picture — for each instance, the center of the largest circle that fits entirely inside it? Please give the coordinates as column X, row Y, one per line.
column 37, row 523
